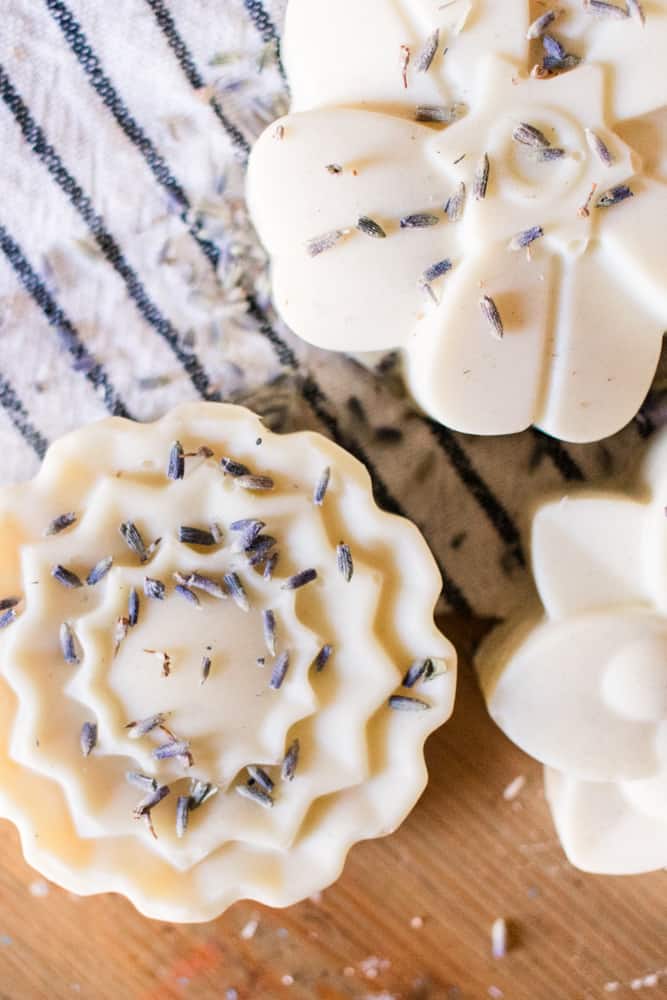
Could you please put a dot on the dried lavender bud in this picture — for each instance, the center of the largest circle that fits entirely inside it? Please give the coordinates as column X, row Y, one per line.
column 259, row 550
column 528, row 135
column 600, row 8
column 553, row 48
column 334, row 168
column 235, row 588
column 344, row 561
column 270, row 565
column 66, row 577
column 415, row 673
column 436, row 271
column 552, row 65
column 279, row 671
column 88, row 738
column 120, row 631
column 182, row 814
column 248, row 528
column 615, row 196
column 323, row 657
column 153, row 799
column 174, row 748
column 427, row 54
column 144, row 726
column 549, row 154
column 143, row 781
column 60, row 523
column 154, row 588
column 438, row 113
column 322, row 487
column 176, row 464
column 636, row 10
column 205, row 668
column 399, row 703
column 133, row 540
column 198, row 582
column 492, row 316
column 255, row 482
column 320, row 244
column 371, row 228
column 7, row 617
column 540, row 25
column 99, row 571
column 420, row 220
column 259, row 775
column 599, row 147
column 201, row 792
column 290, row 761
column 299, row 579
column 481, row 179
column 233, row 468
column 188, row 594
column 69, row 644
column 196, row 536
column 133, row 608
column 455, row 204
column 405, row 62
column 269, row 626
column 256, row 794
column 9, row 602
column 526, row 238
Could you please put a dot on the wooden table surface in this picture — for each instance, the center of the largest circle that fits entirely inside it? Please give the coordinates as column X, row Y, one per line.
column 410, row 919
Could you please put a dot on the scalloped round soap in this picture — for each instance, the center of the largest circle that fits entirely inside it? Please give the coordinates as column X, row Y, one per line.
column 583, row 686
column 484, row 192
column 218, row 662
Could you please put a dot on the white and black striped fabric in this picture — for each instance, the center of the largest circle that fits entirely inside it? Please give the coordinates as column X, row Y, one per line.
column 130, row 278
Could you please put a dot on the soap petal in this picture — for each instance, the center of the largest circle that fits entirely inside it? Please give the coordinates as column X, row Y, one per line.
column 587, row 553
column 600, row 830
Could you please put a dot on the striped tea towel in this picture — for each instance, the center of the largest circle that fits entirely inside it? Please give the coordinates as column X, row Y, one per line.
column 131, row 279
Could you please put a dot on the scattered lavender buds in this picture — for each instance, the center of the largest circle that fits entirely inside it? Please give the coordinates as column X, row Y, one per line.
column 481, row 179
column 323, row 658
column 322, row 487
column 269, row 627
column 455, row 204
column 344, row 561
column 256, row 794
column 399, row 703
column 636, row 10
column 66, row 577
column 120, row 631
column 235, row 588
column 599, row 147
column 259, row 550
column 233, row 468
column 196, row 536
column 492, row 316
column 60, row 523
column 188, row 594
column 549, row 154
column 8, row 602
column 427, row 54
column 300, row 579
column 133, row 540
column 154, row 797
column 279, row 671
column 176, row 464
column 154, row 589
column 255, row 482
column 438, row 113
column 68, row 644
column 553, row 49
column 614, row 196
column 320, row 244
column 182, row 814
column 201, row 792
column 415, row 673
column 290, row 761
column 334, row 168
column 88, row 738
column 270, row 565
column 248, row 528
column 600, row 8
column 526, row 238
column 143, row 781
column 420, row 220
column 7, row 617
column 528, row 135
column 198, row 582
column 405, row 62
column 174, row 748
column 144, row 726
column 133, row 608
column 99, row 571
column 259, row 775
column 205, row 668
column 371, row 228
column 540, row 25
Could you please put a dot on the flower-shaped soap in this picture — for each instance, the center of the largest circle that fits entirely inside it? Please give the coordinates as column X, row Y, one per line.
column 583, row 687
column 218, row 662
column 503, row 227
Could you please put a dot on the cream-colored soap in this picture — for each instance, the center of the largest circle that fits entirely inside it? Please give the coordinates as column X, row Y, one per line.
column 581, row 684
column 582, row 308
column 70, row 659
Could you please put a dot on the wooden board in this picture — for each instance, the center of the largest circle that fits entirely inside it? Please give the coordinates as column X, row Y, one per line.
column 463, row 858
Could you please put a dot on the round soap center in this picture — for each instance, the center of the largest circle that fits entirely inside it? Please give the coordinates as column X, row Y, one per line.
column 635, row 682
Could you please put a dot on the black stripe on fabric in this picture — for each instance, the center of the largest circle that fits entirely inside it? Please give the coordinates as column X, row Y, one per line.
column 166, row 23
column 20, row 418
column 568, row 467
column 36, row 139
column 317, row 401
column 267, row 30
column 83, row 360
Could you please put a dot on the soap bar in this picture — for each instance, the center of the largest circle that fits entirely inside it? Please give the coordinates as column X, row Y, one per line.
column 218, row 662
column 581, row 683
column 490, row 204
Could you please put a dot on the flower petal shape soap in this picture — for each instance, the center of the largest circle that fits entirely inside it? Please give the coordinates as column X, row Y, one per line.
column 583, row 686
column 218, row 662
column 485, row 194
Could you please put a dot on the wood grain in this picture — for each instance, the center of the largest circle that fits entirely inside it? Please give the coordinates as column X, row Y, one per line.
column 464, row 857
